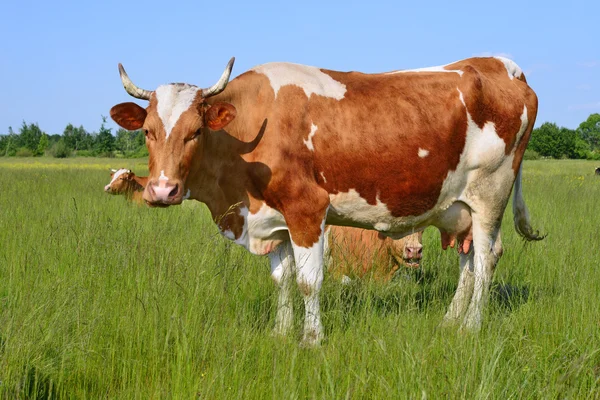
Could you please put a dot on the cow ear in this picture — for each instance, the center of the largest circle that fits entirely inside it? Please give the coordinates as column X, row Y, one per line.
column 128, row 115
column 219, row 115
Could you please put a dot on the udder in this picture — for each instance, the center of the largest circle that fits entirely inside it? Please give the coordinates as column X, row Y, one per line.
column 455, row 226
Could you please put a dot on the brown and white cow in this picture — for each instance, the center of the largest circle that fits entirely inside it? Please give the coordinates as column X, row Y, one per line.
column 283, row 149
column 125, row 182
column 354, row 252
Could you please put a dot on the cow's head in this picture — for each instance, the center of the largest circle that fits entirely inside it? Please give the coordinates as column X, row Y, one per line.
column 175, row 121
column 408, row 251
column 121, row 181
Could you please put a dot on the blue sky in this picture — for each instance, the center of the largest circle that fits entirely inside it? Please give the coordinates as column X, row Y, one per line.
column 58, row 59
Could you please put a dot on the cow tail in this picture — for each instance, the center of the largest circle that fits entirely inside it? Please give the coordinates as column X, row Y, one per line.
column 521, row 214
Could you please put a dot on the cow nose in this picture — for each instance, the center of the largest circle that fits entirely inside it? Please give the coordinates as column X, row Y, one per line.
column 164, row 192
column 413, row 252
column 107, row 188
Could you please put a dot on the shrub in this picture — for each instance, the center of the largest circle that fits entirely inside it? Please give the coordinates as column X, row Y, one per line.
column 86, row 153
column 139, row 153
column 24, row 152
column 531, row 155
column 60, row 150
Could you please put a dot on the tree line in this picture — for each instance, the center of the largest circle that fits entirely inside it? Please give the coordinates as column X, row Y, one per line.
column 549, row 140
column 31, row 141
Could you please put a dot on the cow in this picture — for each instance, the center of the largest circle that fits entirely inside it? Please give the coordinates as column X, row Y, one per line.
column 284, row 149
column 353, row 252
column 597, row 171
column 125, row 182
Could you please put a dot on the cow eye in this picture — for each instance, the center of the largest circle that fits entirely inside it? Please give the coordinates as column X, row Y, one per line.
column 194, row 136
column 148, row 135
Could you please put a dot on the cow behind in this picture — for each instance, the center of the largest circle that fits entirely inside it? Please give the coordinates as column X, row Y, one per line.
column 284, row 149
column 355, row 253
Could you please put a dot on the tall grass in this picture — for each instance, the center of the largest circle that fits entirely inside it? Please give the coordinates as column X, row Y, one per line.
column 103, row 299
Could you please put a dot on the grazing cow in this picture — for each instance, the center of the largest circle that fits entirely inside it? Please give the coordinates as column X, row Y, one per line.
column 356, row 252
column 125, row 182
column 287, row 148
column 598, row 171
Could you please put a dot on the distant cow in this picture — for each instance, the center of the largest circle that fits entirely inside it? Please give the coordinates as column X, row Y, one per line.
column 355, row 252
column 284, row 149
column 125, row 182
column 598, row 171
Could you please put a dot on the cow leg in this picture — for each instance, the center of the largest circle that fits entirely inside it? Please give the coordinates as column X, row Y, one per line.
column 464, row 291
column 486, row 255
column 309, row 276
column 282, row 270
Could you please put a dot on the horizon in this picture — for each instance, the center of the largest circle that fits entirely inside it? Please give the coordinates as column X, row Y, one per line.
column 69, row 51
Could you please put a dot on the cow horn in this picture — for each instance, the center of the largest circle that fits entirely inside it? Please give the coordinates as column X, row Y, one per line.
column 222, row 83
column 131, row 88
column 113, row 170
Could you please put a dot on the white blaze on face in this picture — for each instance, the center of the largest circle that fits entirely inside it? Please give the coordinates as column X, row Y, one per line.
column 174, row 100
column 116, row 176
column 308, row 142
column 162, row 176
column 310, row 79
column 423, row 153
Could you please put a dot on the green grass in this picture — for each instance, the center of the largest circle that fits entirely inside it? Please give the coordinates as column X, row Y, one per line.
column 103, row 299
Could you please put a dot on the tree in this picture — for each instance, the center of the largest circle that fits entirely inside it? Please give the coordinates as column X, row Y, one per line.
column 30, row 136
column 546, row 140
column 10, row 146
column 126, row 141
column 589, row 131
column 105, row 141
column 42, row 145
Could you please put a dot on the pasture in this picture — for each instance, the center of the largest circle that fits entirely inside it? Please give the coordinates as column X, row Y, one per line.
column 103, row 299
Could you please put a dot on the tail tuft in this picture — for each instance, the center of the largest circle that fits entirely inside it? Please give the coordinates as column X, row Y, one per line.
column 521, row 214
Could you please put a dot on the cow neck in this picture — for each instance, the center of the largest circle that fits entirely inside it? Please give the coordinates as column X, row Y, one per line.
column 226, row 180
column 140, row 182
column 221, row 178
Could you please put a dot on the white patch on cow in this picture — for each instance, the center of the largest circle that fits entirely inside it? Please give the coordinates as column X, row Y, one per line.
column 423, row 153
column 262, row 232
column 187, row 195
column 524, row 122
column 323, row 176
column 162, row 176
column 310, row 79
column 382, row 226
column 439, row 68
column 349, row 208
column 461, row 97
column 514, row 71
column 308, row 142
column 282, row 271
column 309, row 275
column 172, row 101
